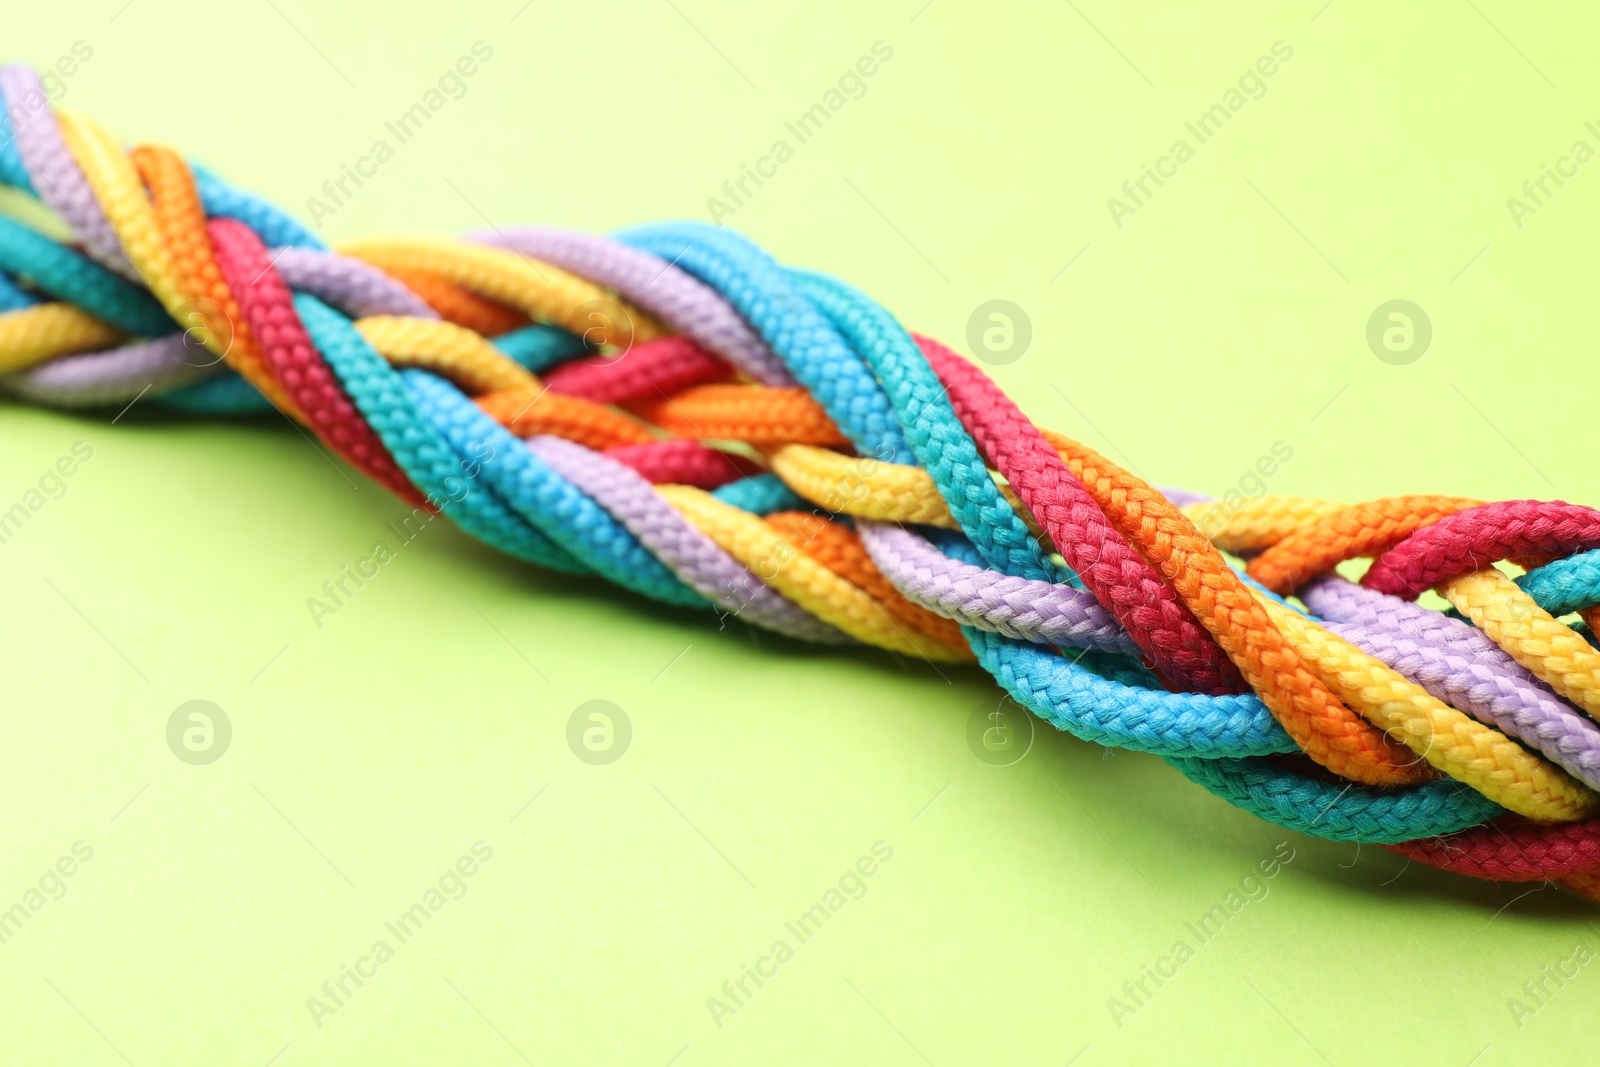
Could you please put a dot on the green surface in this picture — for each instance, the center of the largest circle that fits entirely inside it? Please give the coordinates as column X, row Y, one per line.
column 1229, row 313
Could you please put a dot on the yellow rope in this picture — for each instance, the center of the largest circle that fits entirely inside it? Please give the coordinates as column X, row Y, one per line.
column 41, row 333
column 544, row 291
column 1456, row 744
column 453, row 351
column 1531, row 635
column 116, row 185
column 781, row 565
column 1252, row 525
column 865, row 487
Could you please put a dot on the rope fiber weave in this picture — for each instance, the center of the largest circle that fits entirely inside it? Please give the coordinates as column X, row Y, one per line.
column 676, row 412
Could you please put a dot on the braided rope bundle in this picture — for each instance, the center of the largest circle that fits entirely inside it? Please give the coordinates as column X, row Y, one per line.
column 674, row 411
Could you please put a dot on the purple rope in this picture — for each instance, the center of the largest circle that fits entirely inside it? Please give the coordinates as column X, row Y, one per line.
column 696, row 310
column 1182, row 498
column 56, row 176
column 354, row 287
column 1462, row 667
column 115, row 376
column 693, row 556
column 1021, row 608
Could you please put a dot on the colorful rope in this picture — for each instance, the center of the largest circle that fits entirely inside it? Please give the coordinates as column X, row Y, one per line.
column 678, row 413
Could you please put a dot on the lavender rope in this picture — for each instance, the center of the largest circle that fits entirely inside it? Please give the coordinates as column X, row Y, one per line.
column 115, row 376
column 693, row 556
column 1021, row 608
column 56, row 176
column 1462, row 667
column 660, row 288
column 1182, row 498
column 359, row 289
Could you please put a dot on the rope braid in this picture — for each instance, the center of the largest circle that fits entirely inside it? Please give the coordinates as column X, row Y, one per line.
column 678, row 413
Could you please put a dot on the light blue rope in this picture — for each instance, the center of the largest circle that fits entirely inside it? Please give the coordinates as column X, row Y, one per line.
column 417, row 445
column 807, row 343
column 937, row 437
column 1567, row 585
column 584, row 530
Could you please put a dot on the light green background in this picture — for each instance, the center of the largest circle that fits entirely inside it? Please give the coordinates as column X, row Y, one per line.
column 1228, row 314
